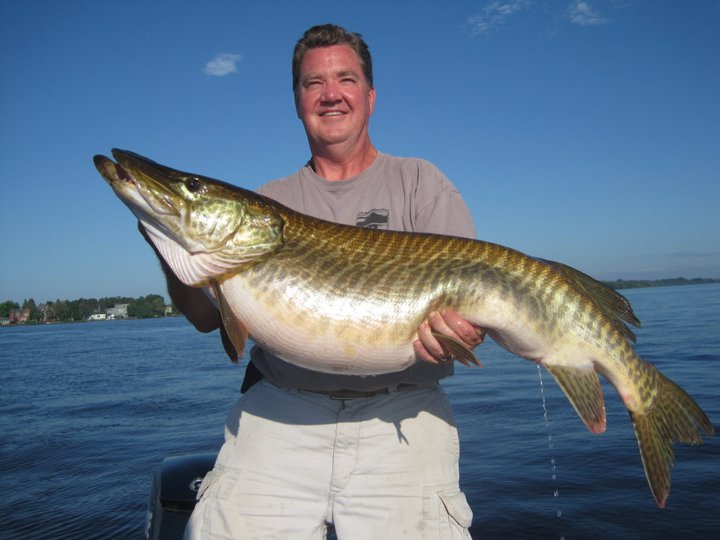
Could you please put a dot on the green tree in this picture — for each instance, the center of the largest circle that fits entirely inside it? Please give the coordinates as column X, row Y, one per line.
column 6, row 306
column 34, row 313
column 105, row 303
column 152, row 305
column 62, row 310
column 49, row 311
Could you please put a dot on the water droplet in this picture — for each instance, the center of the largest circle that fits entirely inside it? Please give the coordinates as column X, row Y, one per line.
column 551, row 444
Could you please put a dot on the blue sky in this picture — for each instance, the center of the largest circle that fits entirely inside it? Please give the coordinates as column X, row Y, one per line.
column 582, row 131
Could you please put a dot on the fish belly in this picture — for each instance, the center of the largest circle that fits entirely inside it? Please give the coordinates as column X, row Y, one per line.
column 340, row 335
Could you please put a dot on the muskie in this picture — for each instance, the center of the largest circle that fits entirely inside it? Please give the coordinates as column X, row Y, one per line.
column 341, row 299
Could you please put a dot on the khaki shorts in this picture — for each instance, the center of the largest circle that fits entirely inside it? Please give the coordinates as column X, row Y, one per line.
column 294, row 461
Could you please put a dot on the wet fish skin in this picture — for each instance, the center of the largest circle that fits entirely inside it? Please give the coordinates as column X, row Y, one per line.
column 343, row 299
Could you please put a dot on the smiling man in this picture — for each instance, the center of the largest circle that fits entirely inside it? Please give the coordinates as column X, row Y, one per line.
column 334, row 100
column 376, row 457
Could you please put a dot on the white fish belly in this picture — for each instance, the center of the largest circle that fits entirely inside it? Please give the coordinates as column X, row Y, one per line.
column 338, row 335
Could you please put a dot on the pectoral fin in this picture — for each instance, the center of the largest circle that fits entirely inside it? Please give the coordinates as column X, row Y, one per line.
column 582, row 388
column 234, row 328
column 457, row 350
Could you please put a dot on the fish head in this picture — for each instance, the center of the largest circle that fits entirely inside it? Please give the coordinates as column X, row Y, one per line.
column 205, row 229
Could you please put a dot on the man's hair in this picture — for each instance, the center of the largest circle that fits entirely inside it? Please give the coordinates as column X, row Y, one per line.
column 325, row 35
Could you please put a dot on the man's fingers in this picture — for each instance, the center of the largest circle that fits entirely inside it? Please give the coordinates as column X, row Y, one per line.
column 462, row 329
column 446, row 323
column 426, row 346
column 422, row 353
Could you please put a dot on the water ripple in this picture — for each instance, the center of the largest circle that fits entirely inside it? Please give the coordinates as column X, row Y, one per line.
column 87, row 411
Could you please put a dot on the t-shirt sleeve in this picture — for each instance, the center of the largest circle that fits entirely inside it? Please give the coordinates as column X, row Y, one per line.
column 440, row 207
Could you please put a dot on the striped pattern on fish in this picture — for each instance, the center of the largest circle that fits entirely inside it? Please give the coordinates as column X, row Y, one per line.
column 341, row 299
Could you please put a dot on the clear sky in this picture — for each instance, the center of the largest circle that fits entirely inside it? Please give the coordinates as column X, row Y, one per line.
column 586, row 132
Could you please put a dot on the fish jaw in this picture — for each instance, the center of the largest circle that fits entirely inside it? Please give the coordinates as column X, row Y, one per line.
column 151, row 206
column 204, row 229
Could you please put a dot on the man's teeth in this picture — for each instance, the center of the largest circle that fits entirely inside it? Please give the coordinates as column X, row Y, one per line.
column 332, row 114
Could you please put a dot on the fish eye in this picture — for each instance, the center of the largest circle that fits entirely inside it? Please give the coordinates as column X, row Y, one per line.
column 193, row 184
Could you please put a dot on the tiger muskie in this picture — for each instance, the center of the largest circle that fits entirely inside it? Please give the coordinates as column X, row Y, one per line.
column 341, row 299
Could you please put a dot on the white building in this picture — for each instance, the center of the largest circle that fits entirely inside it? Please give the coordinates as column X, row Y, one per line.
column 119, row 311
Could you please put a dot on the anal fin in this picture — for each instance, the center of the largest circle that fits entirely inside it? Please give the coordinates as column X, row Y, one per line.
column 582, row 388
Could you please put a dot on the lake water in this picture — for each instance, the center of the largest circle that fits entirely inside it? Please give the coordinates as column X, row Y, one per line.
column 87, row 411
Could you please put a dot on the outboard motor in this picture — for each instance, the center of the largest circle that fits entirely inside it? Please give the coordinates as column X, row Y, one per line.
column 172, row 494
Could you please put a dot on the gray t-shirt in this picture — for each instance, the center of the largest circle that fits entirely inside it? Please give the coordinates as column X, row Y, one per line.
column 405, row 194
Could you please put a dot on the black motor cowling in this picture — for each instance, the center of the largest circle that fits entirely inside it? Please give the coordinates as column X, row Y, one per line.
column 172, row 495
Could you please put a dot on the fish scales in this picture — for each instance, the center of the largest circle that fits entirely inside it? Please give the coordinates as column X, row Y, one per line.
column 342, row 299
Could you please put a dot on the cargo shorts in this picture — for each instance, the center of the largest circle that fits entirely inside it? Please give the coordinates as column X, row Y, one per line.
column 294, row 462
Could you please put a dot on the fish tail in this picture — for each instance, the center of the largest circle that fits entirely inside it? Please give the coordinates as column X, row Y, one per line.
column 673, row 416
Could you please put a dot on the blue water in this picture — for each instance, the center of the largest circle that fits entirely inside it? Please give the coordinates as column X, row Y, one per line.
column 87, row 411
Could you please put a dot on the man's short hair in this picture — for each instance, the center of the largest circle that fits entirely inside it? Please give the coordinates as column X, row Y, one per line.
column 325, row 35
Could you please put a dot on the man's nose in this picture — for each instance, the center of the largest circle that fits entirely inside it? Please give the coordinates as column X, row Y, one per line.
column 331, row 92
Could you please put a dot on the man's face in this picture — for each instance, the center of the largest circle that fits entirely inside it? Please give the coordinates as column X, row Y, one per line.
column 333, row 99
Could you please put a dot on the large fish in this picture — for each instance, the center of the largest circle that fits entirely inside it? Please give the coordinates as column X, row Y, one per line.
column 341, row 299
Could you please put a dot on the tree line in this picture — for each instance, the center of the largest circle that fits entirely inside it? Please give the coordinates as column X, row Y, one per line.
column 668, row 282
column 152, row 305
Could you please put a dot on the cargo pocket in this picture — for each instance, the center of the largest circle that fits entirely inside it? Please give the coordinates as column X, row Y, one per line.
column 211, row 479
column 450, row 509
column 213, row 517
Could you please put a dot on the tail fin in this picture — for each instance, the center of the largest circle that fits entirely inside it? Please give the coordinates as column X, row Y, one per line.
column 674, row 416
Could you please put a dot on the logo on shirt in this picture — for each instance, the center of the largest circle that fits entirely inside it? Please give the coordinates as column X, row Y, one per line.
column 374, row 219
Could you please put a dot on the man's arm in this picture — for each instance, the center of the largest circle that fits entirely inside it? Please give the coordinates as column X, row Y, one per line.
column 445, row 212
column 192, row 302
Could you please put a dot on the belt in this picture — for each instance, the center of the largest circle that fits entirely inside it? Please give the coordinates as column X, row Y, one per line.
column 354, row 394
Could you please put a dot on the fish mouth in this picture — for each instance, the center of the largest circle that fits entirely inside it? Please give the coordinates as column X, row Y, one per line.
column 154, row 194
column 135, row 179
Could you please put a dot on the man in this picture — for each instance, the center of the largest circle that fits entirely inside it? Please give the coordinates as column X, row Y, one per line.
column 374, row 456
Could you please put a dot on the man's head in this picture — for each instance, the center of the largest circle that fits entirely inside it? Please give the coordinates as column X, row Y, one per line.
column 325, row 35
column 334, row 95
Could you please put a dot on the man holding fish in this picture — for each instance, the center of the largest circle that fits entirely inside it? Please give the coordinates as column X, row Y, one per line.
column 370, row 446
column 376, row 456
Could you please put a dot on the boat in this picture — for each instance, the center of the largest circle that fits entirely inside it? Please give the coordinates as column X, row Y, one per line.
column 173, row 492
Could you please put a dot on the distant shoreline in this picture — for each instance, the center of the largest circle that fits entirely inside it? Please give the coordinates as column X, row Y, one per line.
column 667, row 282
column 85, row 321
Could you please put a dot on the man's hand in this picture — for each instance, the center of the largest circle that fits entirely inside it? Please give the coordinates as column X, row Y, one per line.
column 448, row 323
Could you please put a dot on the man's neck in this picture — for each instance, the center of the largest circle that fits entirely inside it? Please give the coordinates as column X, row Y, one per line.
column 335, row 165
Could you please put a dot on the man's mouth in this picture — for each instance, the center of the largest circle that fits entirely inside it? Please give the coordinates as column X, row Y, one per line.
column 332, row 113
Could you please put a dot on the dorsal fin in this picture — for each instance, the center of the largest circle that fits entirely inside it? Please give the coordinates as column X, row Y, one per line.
column 611, row 303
